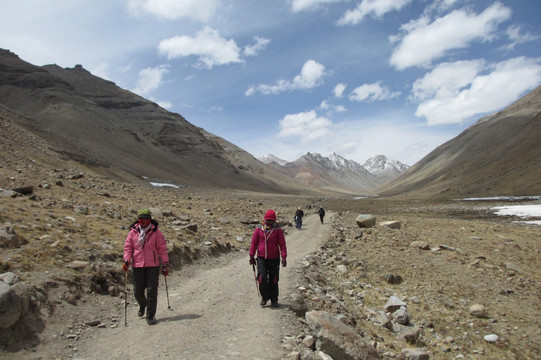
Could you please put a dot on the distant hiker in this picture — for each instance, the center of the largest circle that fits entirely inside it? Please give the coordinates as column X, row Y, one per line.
column 145, row 248
column 298, row 218
column 321, row 213
column 269, row 242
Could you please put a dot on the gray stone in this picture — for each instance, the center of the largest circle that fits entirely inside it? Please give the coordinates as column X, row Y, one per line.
column 415, row 354
column 10, row 306
column 9, row 278
column 391, row 224
column 393, row 304
column 402, row 316
column 478, row 310
column 365, row 220
column 337, row 339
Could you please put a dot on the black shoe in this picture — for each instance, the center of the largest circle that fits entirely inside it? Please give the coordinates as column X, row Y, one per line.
column 151, row 321
column 141, row 312
column 274, row 303
column 263, row 302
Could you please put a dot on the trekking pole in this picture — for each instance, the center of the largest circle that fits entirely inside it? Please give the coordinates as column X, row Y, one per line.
column 125, row 298
column 167, row 292
column 255, row 278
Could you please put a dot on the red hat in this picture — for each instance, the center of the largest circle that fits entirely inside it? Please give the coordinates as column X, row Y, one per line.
column 270, row 215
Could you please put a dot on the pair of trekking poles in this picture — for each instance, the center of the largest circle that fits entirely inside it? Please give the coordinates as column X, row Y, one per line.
column 126, row 296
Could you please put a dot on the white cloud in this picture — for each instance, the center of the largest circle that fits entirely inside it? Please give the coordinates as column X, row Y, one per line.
column 259, row 45
column 452, row 93
column 440, row 6
column 339, row 90
column 150, row 79
column 376, row 8
column 311, row 76
column 330, row 108
column 307, row 126
column 517, row 37
column 207, row 45
column 426, row 41
column 303, row 5
column 446, row 78
column 372, row 92
column 200, row 10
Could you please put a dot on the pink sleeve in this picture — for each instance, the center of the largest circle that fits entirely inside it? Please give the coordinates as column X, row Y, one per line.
column 255, row 242
column 282, row 244
column 161, row 245
column 128, row 248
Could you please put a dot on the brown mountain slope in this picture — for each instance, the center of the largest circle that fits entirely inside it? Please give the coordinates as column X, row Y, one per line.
column 499, row 155
column 116, row 132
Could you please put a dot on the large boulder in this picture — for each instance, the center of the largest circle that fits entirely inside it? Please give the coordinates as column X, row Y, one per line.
column 11, row 306
column 366, row 220
column 337, row 339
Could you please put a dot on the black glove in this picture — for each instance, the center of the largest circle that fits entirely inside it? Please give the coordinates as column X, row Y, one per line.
column 252, row 260
column 165, row 270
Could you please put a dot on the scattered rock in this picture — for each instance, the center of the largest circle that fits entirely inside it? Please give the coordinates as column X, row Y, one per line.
column 391, row 224
column 337, row 339
column 366, row 220
column 478, row 310
column 415, row 354
column 394, row 303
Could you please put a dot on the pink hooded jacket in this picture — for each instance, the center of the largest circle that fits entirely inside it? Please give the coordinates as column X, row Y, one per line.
column 154, row 249
column 269, row 243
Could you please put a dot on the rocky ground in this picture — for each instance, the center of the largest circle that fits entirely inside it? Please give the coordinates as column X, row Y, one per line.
column 461, row 272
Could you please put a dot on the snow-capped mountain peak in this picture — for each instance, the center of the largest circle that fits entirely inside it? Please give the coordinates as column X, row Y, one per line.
column 267, row 159
column 380, row 165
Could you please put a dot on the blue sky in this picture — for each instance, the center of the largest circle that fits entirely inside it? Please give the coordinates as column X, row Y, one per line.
column 355, row 77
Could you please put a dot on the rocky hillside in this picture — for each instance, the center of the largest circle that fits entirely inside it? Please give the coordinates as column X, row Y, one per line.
column 499, row 155
column 118, row 134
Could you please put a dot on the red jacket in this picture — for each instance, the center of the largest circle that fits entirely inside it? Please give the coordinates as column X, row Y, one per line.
column 269, row 243
column 154, row 250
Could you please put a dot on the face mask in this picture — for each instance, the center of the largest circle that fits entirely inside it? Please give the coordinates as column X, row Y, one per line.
column 143, row 222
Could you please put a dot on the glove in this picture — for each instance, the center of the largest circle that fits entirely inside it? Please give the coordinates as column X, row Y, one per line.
column 252, row 260
column 165, row 270
column 284, row 262
column 126, row 265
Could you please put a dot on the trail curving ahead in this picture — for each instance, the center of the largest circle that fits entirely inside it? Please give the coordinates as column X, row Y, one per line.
column 215, row 312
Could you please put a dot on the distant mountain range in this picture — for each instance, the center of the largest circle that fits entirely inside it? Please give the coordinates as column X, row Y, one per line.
column 335, row 173
column 85, row 119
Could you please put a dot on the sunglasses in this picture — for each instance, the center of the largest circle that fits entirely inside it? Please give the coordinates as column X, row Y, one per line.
column 143, row 219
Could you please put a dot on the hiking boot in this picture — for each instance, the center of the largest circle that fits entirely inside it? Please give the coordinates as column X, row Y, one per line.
column 141, row 312
column 274, row 303
column 151, row 321
column 263, row 302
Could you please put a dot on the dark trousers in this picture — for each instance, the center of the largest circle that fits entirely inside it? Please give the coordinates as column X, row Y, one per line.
column 268, row 271
column 321, row 216
column 146, row 278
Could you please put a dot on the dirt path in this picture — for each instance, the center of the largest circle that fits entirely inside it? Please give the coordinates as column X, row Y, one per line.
column 215, row 312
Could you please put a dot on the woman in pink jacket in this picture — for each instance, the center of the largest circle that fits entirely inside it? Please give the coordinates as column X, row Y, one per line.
column 145, row 248
column 269, row 242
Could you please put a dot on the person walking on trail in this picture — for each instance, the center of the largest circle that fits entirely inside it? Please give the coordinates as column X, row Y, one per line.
column 145, row 248
column 269, row 243
column 298, row 218
column 321, row 213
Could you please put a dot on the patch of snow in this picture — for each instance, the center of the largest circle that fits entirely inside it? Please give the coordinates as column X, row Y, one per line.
column 502, row 198
column 164, row 185
column 523, row 211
